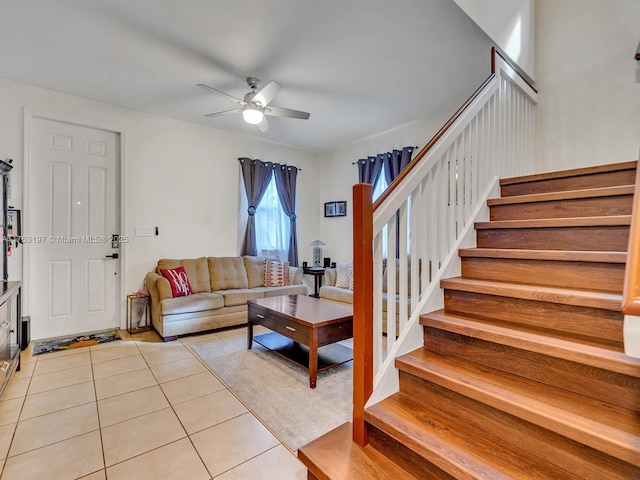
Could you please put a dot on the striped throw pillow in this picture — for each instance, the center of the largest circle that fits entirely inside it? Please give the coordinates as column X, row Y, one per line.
column 344, row 275
column 276, row 274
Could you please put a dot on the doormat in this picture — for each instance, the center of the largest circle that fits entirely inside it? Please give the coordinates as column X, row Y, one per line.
column 68, row 343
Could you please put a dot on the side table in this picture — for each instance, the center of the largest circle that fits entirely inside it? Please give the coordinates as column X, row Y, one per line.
column 318, row 273
column 138, row 318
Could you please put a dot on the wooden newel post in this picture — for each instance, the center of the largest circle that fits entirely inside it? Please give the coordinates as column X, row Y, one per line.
column 362, row 307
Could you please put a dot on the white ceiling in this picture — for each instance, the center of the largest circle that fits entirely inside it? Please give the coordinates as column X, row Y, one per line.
column 360, row 67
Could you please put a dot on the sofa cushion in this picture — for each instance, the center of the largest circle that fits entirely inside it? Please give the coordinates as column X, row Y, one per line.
column 297, row 289
column 240, row 296
column 192, row 303
column 276, row 274
column 178, row 281
column 336, row 294
column 227, row 273
column 330, row 275
column 255, row 270
column 197, row 272
column 295, row 275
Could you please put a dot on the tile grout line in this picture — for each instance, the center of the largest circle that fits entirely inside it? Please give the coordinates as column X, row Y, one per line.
column 13, row 436
column 241, row 401
column 188, row 436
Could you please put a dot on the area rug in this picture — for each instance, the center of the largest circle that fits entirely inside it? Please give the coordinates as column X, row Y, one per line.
column 77, row 341
column 277, row 391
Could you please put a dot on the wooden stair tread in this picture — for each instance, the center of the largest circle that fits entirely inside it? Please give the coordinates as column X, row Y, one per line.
column 567, row 296
column 453, row 446
column 525, row 340
column 563, row 195
column 559, row 255
column 603, row 221
column 335, row 455
column 613, row 430
column 614, row 167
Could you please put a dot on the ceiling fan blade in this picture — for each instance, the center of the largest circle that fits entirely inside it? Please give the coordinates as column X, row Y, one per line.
column 267, row 93
column 235, row 110
column 207, row 87
column 263, row 125
column 286, row 112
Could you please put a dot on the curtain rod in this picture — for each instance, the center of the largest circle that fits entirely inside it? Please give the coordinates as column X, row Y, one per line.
column 272, row 163
column 355, row 163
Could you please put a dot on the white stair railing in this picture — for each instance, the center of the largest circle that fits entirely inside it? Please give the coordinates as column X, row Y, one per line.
column 430, row 208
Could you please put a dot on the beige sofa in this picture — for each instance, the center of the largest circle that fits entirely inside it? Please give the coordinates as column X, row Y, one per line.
column 221, row 286
column 329, row 291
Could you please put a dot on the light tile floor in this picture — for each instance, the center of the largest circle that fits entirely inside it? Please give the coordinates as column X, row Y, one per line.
column 137, row 408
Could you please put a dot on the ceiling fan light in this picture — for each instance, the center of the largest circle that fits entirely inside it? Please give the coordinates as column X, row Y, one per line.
column 252, row 115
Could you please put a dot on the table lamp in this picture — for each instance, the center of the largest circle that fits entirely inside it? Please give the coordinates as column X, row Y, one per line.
column 317, row 252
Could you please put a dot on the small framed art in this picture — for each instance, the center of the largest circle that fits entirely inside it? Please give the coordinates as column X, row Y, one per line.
column 14, row 226
column 335, row 209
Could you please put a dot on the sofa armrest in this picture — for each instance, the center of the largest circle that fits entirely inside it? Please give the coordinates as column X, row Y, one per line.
column 159, row 289
column 158, row 286
column 295, row 275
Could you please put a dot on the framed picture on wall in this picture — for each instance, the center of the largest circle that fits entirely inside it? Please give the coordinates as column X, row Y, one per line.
column 335, row 209
column 14, row 229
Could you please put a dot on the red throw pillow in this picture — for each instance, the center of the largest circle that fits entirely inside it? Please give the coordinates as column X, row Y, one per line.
column 178, row 280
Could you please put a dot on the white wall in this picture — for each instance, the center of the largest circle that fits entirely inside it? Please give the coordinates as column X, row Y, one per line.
column 339, row 176
column 589, row 102
column 509, row 23
column 181, row 177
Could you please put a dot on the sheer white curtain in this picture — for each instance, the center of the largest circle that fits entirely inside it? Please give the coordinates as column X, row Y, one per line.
column 272, row 226
column 381, row 186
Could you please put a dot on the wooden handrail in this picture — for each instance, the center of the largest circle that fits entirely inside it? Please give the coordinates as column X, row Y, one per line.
column 362, row 307
column 631, row 293
column 396, row 181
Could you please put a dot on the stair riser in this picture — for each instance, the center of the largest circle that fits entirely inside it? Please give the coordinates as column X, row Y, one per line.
column 404, row 456
column 609, row 238
column 582, row 207
column 556, row 449
column 611, row 387
column 595, row 180
column 568, row 320
column 590, row 275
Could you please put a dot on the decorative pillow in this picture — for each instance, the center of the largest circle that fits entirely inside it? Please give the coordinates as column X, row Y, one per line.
column 276, row 274
column 178, row 280
column 344, row 275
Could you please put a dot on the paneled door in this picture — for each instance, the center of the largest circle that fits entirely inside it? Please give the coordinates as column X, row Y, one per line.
column 73, row 194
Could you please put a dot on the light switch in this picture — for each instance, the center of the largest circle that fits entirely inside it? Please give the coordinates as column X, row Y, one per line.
column 144, row 231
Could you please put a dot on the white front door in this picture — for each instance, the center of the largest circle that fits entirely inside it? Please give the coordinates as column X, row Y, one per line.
column 72, row 282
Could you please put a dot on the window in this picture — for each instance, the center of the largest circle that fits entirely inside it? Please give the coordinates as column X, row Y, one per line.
column 381, row 186
column 272, row 226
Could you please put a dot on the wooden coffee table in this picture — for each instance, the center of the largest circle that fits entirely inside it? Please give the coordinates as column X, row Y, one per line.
column 299, row 321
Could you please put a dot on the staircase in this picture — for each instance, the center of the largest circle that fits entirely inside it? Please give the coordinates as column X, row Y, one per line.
column 522, row 374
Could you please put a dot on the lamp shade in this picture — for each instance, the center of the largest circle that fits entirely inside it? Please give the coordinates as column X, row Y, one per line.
column 317, row 252
column 252, row 115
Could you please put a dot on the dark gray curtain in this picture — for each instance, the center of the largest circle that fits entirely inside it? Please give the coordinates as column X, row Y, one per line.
column 395, row 162
column 369, row 169
column 286, row 185
column 256, row 176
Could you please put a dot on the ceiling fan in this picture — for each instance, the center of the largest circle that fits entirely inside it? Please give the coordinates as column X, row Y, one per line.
column 256, row 104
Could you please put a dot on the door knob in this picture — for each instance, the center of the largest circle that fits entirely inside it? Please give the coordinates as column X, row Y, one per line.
column 115, row 255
